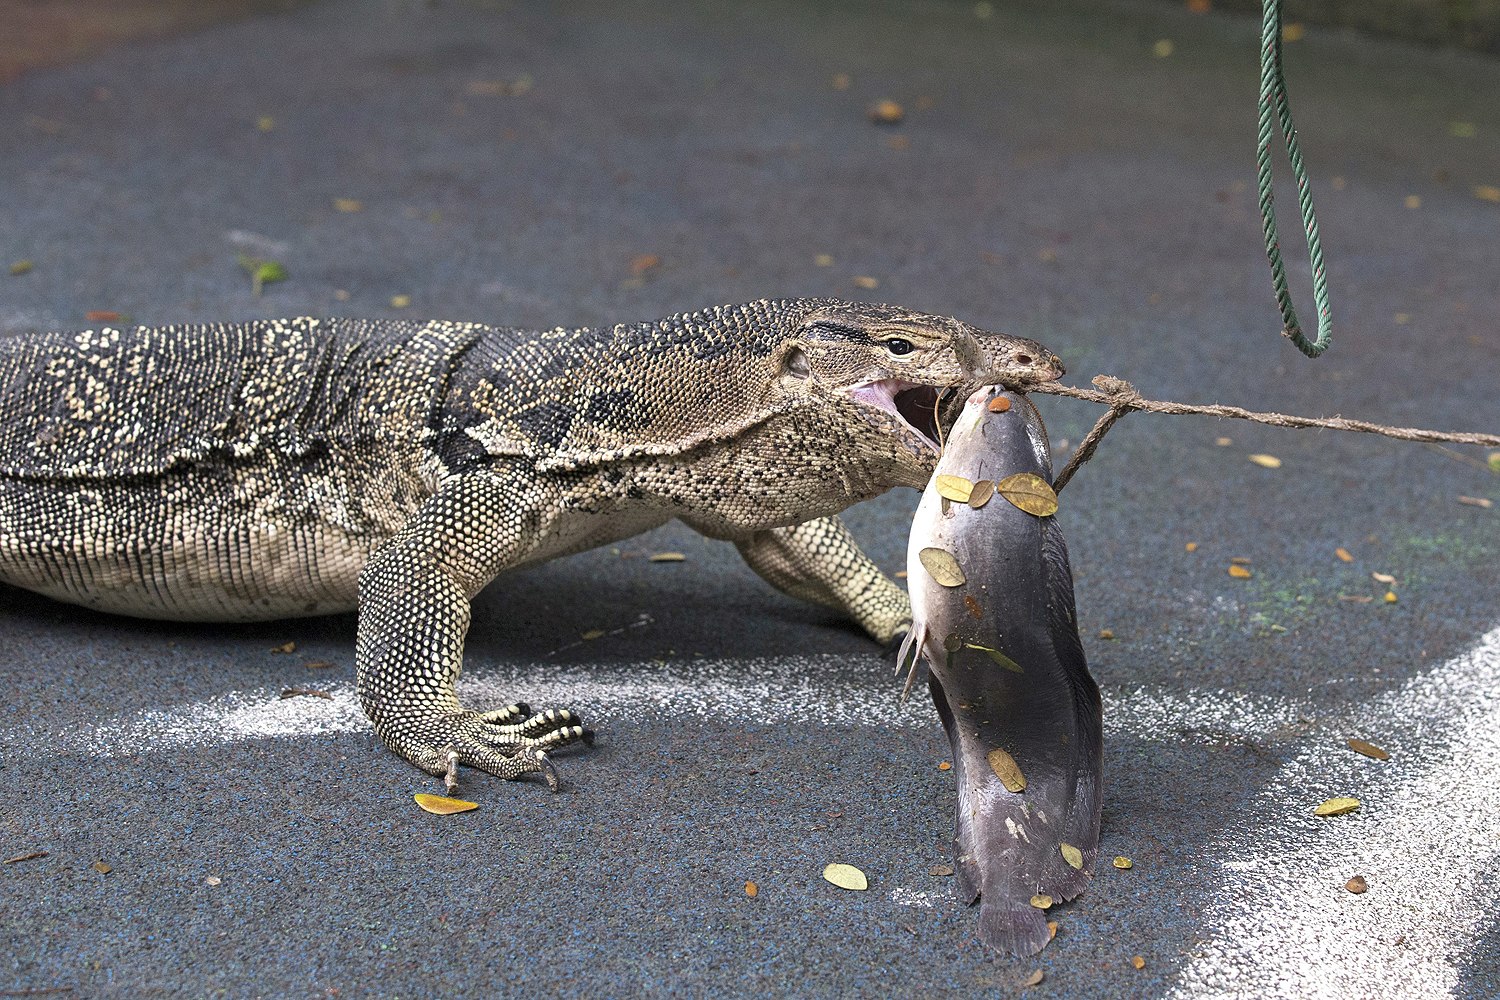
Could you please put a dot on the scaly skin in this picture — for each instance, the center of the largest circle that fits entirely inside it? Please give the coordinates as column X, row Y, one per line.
column 280, row 468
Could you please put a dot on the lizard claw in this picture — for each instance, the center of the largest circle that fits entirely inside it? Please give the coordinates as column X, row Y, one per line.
column 438, row 745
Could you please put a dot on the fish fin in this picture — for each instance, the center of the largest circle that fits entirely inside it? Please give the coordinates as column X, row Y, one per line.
column 910, row 658
column 1018, row 928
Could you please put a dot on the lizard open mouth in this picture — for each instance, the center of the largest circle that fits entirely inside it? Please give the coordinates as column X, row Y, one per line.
column 921, row 408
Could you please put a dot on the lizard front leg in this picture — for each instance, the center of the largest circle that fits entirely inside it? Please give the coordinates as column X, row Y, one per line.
column 414, row 596
column 819, row 561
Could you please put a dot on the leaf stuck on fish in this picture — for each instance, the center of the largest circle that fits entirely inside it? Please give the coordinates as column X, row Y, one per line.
column 942, row 567
column 1000, row 658
column 1072, row 855
column 1029, row 492
column 999, row 404
column 955, row 488
column 980, row 495
column 1042, row 901
column 1007, row 770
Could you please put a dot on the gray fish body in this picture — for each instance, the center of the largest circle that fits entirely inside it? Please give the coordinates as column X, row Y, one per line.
column 1007, row 672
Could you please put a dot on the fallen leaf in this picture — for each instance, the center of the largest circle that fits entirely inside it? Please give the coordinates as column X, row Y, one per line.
column 1336, row 807
column 846, row 876
column 103, row 316
column 885, row 112
column 940, row 871
column 592, row 634
column 1042, row 901
column 975, row 611
column 942, row 567
column 1292, row 32
column 1413, row 201
column 1239, row 572
column 1029, row 492
column 1191, row 546
column 1239, row 560
column 1035, row 979
column 317, row 664
column 1123, row 863
column 823, row 260
column 1383, row 578
column 999, row 404
column 1072, row 855
column 1343, row 555
column 955, row 488
column 21, row 267
column 901, row 574
column 1482, row 502
column 1223, row 442
column 751, row 889
column 667, row 557
column 980, row 495
column 1106, row 633
column 285, row 647
column 1008, row 771
column 1357, row 884
column 1356, row 598
column 28, row 856
column 304, row 692
column 641, row 263
column 265, row 123
column 400, row 301
column 1137, row 961
column 213, row 880
column 441, row 805
column 866, row 282
column 1390, row 597
column 1487, row 192
column 1266, row 461
column 1000, row 658
column 348, row 205
column 1368, row 749
column 1462, row 130
column 102, row 868
column 1163, row 48
column 945, row 766
column 1051, row 929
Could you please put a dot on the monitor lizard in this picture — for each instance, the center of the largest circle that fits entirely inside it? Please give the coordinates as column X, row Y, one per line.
column 279, row 468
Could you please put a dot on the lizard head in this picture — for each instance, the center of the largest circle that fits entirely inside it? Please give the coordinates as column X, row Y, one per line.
column 905, row 375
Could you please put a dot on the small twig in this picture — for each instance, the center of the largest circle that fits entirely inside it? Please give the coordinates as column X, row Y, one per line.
column 1121, row 398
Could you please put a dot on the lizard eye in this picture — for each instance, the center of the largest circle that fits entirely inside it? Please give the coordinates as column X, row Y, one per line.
column 898, row 346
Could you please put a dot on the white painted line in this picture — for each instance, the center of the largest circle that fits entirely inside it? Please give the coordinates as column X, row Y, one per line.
column 825, row 689
column 1428, row 830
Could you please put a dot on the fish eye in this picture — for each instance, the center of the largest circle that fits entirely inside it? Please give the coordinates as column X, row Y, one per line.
column 898, row 346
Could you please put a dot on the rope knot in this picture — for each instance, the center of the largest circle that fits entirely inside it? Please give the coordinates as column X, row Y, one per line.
column 1121, row 390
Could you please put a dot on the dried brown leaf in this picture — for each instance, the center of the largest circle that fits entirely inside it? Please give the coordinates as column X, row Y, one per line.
column 102, row 868
column 1029, row 492
column 1357, row 884
column 1007, row 770
column 945, row 765
column 940, row 871
column 999, row 404
column 1368, row 749
column 942, row 567
column 298, row 692
column 751, row 889
column 28, row 856
column 983, row 490
column 317, row 664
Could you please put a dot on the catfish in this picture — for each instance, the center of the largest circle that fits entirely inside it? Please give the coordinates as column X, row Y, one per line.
column 994, row 622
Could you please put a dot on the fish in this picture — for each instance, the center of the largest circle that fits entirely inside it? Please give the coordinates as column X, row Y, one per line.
column 995, row 626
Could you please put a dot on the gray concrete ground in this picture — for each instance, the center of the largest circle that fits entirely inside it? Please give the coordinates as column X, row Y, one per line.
column 1055, row 177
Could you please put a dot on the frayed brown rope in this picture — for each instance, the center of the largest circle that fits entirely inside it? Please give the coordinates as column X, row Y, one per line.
column 1121, row 398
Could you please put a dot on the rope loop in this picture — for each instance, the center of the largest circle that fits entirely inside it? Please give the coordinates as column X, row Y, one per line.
column 1275, row 106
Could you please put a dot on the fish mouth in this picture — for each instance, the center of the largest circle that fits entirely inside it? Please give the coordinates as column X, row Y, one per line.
column 923, row 410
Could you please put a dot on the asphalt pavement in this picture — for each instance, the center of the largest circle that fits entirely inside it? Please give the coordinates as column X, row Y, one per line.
column 1078, row 173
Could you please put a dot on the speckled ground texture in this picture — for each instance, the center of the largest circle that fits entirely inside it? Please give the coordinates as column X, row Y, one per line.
column 1055, row 179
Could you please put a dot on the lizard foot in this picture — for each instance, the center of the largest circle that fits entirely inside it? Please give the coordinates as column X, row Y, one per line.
column 438, row 745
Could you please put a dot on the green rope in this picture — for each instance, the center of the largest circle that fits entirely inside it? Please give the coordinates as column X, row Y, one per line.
column 1273, row 92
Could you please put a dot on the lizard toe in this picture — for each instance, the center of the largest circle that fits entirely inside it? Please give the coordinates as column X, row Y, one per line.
column 439, row 744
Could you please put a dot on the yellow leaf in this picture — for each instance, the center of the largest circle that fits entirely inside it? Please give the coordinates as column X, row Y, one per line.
column 846, row 877
column 1239, row 572
column 942, row 567
column 1072, row 855
column 1000, row 658
column 1191, row 546
column 592, row 634
column 945, row 766
column 1007, row 770
column 348, row 204
column 1368, row 749
column 955, row 488
column 400, row 301
column 1266, row 461
column 1343, row 555
column 1029, row 492
column 441, row 805
column 1487, row 192
column 1123, row 863
column 668, row 557
column 866, row 282
column 1390, row 597
column 1041, row 901
column 1337, row 807
column 1223, row 442
column 1137, row 962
